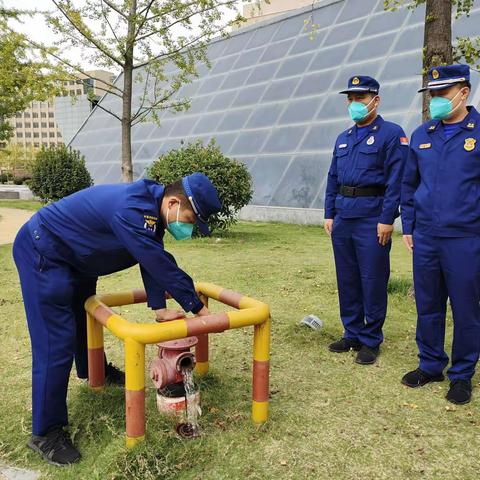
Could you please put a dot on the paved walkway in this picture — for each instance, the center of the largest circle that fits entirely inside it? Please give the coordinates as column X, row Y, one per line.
column 13, row 473
column 11, row 219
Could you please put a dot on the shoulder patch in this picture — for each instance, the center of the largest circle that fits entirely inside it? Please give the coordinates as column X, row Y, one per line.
column 150, row 223
column 403, row 140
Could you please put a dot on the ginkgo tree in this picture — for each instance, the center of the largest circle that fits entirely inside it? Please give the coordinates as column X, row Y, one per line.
column 157, row 44
column 438, row 46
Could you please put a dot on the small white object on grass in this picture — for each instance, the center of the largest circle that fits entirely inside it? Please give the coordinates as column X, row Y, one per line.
column 312, row 321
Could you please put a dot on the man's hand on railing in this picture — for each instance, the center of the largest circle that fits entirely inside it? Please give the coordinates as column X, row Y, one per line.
column 165, row 314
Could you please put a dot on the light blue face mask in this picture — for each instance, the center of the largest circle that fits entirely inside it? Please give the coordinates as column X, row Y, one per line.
column 359, row 111
column 441, row 107
column 179, row 230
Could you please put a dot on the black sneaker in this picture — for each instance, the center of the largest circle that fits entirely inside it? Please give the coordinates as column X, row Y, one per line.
column 367, row 355
column 460, row 392
column 55, row 447
column 114, row 376
column 419, row 378
column 344, row 345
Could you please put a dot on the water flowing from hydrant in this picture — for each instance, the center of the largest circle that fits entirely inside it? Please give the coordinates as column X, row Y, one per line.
column 190, row 428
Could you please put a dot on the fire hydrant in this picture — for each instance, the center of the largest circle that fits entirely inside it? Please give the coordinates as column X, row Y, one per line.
column 173, row 357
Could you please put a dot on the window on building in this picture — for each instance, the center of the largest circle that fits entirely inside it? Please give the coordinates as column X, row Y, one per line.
column 59, row 135
column 19, row 135
column 28, row 125
column 51, row 134
column 18, row 115
column 36, row 135
column 50, row 114
column 44, row 124
column 72, row 82
column 26, row 114
column 44, row 134
column 35, row 124
column 44, row 144
column 28, row 144
column 35, row 115
column 51, row 124
column 18, row 125
column 36, row 144
column 43, row 114
column 28, row 134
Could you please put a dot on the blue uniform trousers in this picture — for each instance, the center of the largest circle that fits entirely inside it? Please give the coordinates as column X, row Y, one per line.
column 53, row 296
column 363, row 270
column 447, row 267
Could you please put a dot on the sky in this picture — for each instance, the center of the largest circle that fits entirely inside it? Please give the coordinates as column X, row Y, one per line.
column 37, row 30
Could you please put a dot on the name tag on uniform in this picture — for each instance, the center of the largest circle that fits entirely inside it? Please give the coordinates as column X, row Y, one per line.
column 342, row 145
column 425, row 145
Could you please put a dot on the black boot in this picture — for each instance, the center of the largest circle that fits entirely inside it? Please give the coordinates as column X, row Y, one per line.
column 460, row 392
column 419, row 378
column 344, row 345
column 114, row 376
column 367, row 355
column 55, row 447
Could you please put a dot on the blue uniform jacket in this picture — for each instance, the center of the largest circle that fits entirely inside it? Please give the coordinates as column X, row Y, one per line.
column 441, row 183
column 377, row 157
column 108, row 228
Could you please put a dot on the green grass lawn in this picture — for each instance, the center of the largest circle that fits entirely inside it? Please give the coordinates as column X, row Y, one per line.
column 21, row 204
column 329, row 417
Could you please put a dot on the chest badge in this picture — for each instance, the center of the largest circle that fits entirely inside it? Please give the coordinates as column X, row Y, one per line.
column 371, row 140
column 469, row 144
column 343, row 145
column 150, row 223
column 424, row 145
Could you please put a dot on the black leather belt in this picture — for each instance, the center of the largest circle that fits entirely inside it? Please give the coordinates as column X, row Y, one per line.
column 373, row 191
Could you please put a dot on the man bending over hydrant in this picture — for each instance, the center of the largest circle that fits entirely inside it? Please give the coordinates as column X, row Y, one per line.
column 60, row 253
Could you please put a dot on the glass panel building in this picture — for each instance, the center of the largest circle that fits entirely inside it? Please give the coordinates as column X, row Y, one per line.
column 271, row 100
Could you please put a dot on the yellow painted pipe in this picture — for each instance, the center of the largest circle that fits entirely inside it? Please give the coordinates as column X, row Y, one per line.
column 135, row 336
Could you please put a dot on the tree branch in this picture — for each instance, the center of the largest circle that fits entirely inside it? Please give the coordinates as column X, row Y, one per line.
column 167, row 27
column 169, row 54
column 98, row 105
column 105, row 16
column 90, row 38
column 74, row 67
column 114, row 8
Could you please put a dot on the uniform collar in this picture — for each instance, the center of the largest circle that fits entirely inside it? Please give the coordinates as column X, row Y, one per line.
column 374, row 126
column 470, row 122
column 155, row 189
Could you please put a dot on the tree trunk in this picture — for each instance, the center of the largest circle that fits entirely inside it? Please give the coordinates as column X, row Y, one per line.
column 127, row 166
column 437, row 40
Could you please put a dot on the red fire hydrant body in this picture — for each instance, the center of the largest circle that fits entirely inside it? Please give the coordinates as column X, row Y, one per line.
column 173, row 357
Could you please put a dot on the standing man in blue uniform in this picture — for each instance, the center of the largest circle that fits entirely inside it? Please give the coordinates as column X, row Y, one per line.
column 441, row 225
column 361, row 204
column 62, row 251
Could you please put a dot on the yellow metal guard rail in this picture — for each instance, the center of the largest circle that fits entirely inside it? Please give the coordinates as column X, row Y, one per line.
column 137, row 335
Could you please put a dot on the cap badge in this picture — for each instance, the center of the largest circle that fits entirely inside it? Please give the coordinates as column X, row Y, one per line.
column 371, row 140
column 469, row 144
column 435, row 74
column 355, row 81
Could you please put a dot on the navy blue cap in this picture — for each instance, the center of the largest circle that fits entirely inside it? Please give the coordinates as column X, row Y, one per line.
column 203, row 197
column 362, row 83
column 445, row 76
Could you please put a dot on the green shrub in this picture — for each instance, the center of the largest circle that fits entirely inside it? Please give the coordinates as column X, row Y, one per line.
column 21, row 179
column 3, row 178
column 231, row 178
column 58, row 172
